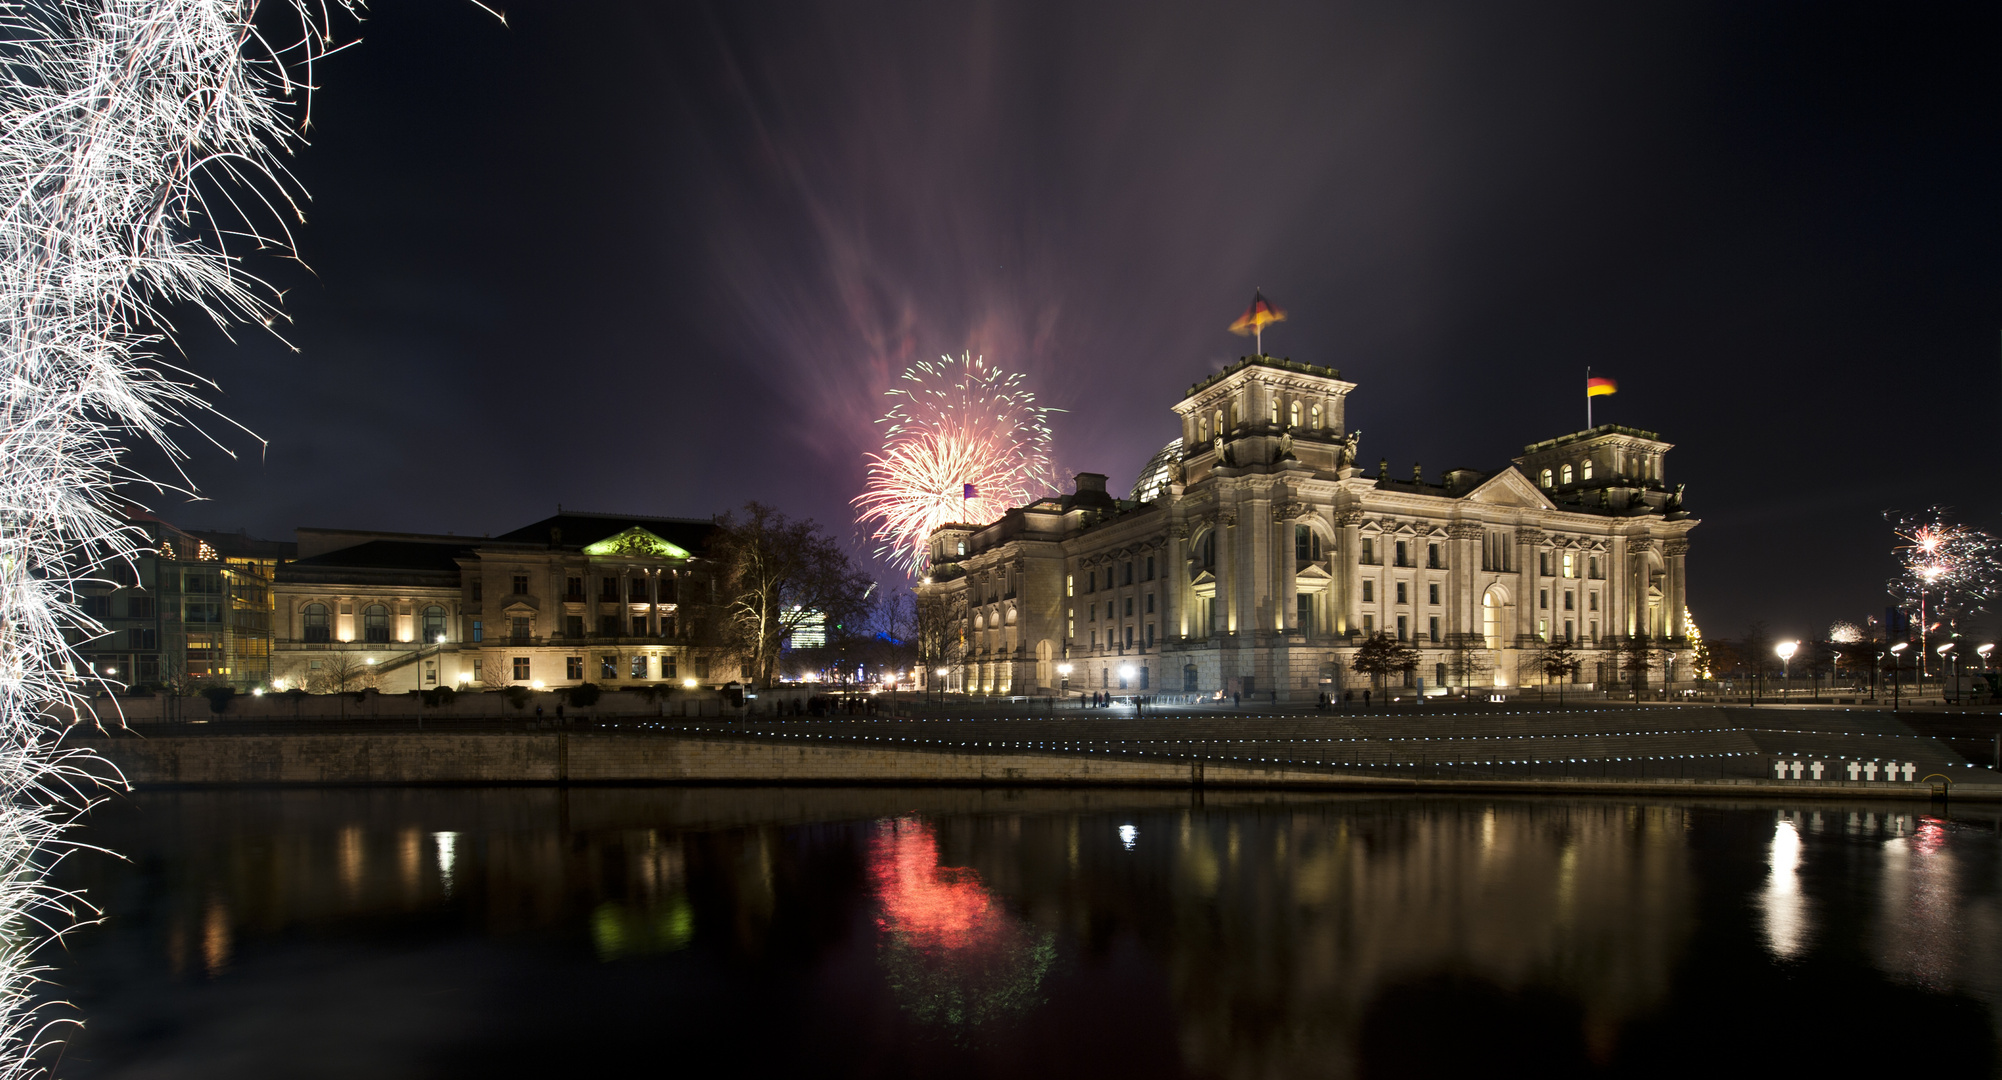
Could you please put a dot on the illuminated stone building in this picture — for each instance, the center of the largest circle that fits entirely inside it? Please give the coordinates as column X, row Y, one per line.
column 573, row 598
column 1264, row 556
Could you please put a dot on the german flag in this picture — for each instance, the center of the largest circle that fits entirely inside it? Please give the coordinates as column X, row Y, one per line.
column 1257, row 317
column 1595, row 387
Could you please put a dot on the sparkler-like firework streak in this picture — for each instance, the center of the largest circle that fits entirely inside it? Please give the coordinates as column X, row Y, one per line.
column 138, row 142
column 960, row 423
column 1946, row 572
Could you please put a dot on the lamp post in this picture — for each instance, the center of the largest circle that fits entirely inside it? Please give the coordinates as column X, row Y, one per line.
column 1786, row 649
column 1126, row 679
column 1945, row 666
column 1983, row 652
column 1896, row 656
column 1065, row 671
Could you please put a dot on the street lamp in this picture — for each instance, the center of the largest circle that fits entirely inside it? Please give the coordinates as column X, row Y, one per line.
column 1786, row 649
column 1945, row 664
column 1896, row 656
column 1065, row 671
column 1983, row 652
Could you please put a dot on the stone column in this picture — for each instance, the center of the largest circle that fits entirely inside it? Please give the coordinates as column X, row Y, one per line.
column 1347, row 606
column 1528, row 543
column 1637, row 620
column 1175, row 594
column 1256, row 581
column 1224, row 615
column 1285, row 516
column 1463, row 555
column 1675, row 551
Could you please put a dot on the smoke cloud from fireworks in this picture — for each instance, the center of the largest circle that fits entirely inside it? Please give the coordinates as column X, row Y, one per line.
column 963, row 442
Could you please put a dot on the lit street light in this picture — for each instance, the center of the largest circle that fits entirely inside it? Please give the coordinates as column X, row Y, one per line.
column 1944, row 652
column 1786, row 649
column 1896, row 651
column 1065, row 671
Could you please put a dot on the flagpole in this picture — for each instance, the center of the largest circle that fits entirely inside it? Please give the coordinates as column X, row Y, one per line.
column 1588, row 397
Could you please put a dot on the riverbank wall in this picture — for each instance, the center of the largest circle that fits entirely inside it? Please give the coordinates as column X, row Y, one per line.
column 574, row 758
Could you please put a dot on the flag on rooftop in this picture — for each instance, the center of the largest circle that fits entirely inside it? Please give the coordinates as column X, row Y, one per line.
column 1598, row 387
column 1256, row 318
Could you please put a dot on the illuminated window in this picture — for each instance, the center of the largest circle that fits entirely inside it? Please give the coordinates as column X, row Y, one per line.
column 1369, row 592
column 1219, row 421
column 1570, row 565
column 1293, row 415
column 1069, row 582
column 608, row 667
column 1543, row 629
column 1314, row 418
column 639, row 667
column 434, row 623
column 1272, row 412
column 316, row 623
column 479, row 633
column 1565, row 474
column 1585, row 471
column 375, row 624
column 1546, row 478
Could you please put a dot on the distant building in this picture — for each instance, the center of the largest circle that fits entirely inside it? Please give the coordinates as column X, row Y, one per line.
column 603, row 598
column 811, row 633
column 192, row 606
column 1256, row 556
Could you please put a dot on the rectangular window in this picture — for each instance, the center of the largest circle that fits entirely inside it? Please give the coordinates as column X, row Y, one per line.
column 521, row 584
column 479, row 630
column 608, row 588
column 608, row 625
column 1368, row 552
column 1150, row 568
column 573, row 627
column 1401, row 598
column 574, row 589
column 1432, row 632
column 139, row 607
column 1129, row 607
column 1091, row 613
column 1401, row 553
column 1403, row 628
column 1567, row 630
column 1369, row 625
column 608, row 667
column 1369, row 592
column 521, row 668
column 1091, row 581
column 1069, row 581
column 667, row 666
column 573, row 667
column 477, row 665
column 476, row 590
column 1570, row 565
column 1543, row 563
column 1303, row 612
column 1432, row 556
column 1592, row 602
column 1543, row 629
column 1150, row 603
column 146, row 639
column 639, row 667
column 1129, row 573
column 1592, row 566
column 1432, row 593
column 1568, row 601
column 1150, row 635
column 1094, row 639
column 639, row 626
column 1543, row 599
column 1129, row 637
column 1108, row 609
column 1595, row 631
column 518, row 630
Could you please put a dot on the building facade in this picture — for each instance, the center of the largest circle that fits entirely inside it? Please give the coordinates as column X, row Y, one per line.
column 1256, row 555
column 575, row 598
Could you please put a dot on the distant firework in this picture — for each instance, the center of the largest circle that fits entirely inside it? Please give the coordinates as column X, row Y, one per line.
column 955, row 422
column 1945, row 571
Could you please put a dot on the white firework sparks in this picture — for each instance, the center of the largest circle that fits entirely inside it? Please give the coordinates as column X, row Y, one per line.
column 138, row 146
column 961, row 424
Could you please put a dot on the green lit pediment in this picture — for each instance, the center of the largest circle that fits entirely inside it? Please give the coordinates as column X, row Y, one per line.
column 635, row 541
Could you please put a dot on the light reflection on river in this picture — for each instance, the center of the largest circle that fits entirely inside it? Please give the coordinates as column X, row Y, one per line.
column 877, row 932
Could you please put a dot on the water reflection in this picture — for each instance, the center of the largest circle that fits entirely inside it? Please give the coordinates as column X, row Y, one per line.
column 955, row 957
column 1249, row 936
column 1784, row 907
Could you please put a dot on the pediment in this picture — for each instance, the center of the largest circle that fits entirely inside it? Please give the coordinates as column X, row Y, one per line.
column 636, row 541
column 1510, row 488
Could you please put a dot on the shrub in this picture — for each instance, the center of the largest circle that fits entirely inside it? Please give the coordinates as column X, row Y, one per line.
column 517, row 696
column 583, row 695
column 437, row 696
column 219, row 697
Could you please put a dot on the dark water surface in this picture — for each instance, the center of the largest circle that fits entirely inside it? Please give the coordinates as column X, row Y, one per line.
column 601, row 933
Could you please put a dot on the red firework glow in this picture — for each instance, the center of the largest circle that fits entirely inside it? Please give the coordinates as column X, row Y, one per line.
column 930, row 906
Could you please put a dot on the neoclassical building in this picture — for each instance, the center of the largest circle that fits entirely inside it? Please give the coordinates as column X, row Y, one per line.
column 573, row 598
column 1255, row 555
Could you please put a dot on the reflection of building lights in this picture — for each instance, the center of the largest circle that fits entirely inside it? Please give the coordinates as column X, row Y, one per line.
column 1785, row 908
column 1129, row 836
column 448, row 857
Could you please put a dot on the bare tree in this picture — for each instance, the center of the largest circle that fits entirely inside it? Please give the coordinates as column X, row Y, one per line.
column 776, row 575
column 1556, row 661
column 1638, row 656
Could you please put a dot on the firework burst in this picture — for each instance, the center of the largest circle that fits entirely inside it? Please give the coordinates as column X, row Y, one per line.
column 956, row 425
column 1946, row 572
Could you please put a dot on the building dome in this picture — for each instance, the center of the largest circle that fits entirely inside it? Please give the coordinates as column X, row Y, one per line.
column 1154, row 475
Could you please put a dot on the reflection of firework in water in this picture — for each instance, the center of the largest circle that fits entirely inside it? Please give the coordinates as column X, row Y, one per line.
column 955, row 957
column 1945, row 571
column 956, row 424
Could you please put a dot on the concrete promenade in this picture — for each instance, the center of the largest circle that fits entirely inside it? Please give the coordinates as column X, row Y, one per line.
column 1684, row 750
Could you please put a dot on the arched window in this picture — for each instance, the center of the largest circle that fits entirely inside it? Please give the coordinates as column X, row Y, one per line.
column 434, row 623
column 316, row 623
column 1585, row 470
column 1219, row 423
column 1203, row 556
column 375, row 624
column 1293, row 416
column 1565, row 473
column 1314, row 420
column 1203, row 430
column 1272, row 411
column 1546, row 478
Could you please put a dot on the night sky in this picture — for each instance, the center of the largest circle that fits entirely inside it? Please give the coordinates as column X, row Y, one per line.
column 662, row 258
